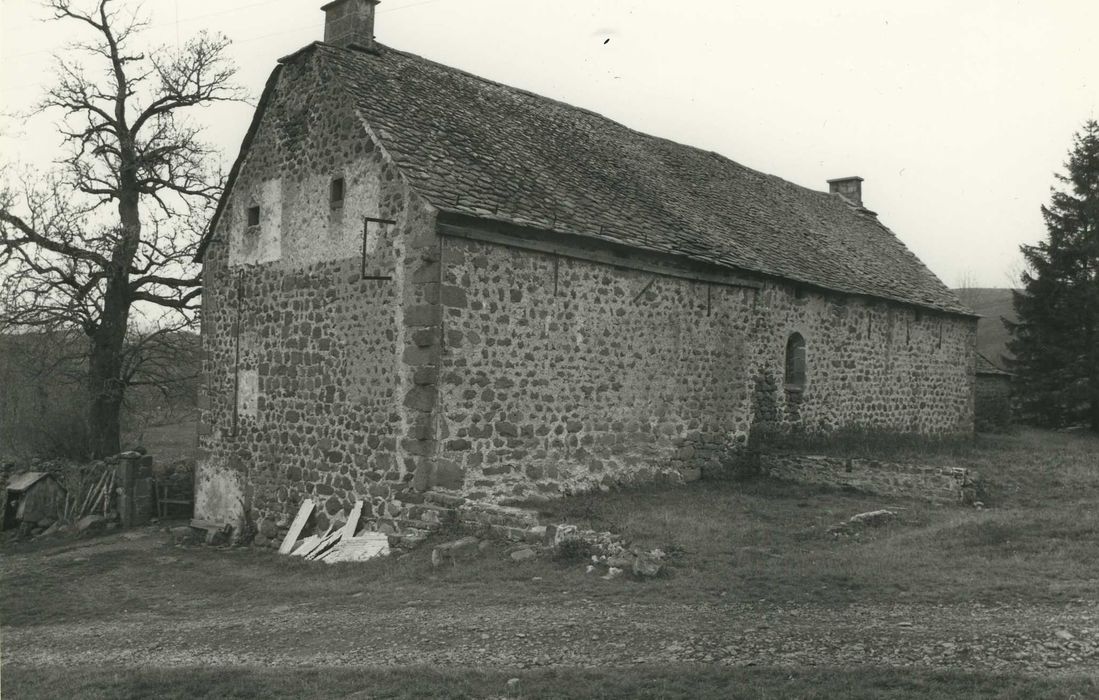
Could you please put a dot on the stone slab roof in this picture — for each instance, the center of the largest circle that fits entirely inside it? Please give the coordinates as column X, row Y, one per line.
column 475, row 147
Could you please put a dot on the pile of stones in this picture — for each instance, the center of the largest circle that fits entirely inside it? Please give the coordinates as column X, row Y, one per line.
column 640, row 563
column 610, row 555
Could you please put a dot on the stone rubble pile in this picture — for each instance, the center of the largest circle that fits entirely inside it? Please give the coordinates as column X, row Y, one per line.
column 407, row 524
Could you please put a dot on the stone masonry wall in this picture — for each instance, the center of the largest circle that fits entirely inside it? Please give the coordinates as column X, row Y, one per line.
column 560, row 374
column 308, row 316
column 872, row 365
column 604, row 376
column 940, row 485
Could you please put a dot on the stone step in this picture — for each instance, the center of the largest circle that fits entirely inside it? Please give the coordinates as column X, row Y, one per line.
column 445, row 500
column 491, row 514
column 404, row 524
column 430, row 513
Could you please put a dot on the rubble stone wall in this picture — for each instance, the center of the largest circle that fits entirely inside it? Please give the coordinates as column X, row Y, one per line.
column 872, row 365
column 560, row 374
column 307, row 315
column 937, row 484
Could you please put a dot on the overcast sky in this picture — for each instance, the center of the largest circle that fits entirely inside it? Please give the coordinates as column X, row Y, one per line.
column 957, row 114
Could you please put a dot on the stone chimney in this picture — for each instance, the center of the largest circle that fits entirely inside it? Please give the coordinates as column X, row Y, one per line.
column 349, row 22
column 850, row 188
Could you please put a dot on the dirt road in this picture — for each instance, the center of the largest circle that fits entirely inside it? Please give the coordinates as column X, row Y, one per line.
column 347, row 630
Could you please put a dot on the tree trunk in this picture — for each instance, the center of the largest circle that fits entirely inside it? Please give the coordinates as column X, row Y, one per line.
column 105, row 386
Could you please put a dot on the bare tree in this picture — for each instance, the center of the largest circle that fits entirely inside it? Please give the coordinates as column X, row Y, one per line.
column 109, row 235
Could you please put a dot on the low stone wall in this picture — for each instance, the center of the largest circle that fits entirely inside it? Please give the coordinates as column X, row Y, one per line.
column 936, row 484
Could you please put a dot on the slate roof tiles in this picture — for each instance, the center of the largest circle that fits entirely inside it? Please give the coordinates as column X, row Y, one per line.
column 472, row 146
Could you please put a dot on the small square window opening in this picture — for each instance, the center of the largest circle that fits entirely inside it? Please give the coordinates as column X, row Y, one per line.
column 253, row 216
column 336, row 192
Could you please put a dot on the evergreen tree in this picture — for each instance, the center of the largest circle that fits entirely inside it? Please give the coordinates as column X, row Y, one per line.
column 1056, row 338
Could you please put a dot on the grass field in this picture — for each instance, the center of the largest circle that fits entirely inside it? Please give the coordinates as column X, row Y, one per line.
column 944, row 602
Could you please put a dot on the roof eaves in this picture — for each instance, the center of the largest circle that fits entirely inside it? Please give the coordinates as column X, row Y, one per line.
column 459, row 215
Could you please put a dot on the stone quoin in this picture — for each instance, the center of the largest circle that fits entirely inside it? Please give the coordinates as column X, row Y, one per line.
column 419, row 280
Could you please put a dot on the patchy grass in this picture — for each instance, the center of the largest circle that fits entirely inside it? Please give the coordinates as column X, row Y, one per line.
column 756, row 543
column 769, row 539
column 753, row 541
column 700, row 682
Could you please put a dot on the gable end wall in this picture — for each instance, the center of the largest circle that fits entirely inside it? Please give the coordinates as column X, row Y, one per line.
column 312, row 376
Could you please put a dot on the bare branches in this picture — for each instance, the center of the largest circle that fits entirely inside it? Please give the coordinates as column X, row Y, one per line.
column 182, row 301
column 199, row 73
column 67, row 260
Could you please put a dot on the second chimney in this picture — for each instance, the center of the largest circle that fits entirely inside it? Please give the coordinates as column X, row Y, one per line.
column 349, row 22
column 850, row 188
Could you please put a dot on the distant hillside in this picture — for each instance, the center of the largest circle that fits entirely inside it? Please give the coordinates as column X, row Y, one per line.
column 42, row 397
column 992, row 305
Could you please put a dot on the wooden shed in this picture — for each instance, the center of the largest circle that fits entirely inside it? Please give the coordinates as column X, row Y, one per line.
column 32, row 497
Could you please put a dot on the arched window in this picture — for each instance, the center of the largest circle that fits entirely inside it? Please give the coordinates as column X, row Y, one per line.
column 795, row 362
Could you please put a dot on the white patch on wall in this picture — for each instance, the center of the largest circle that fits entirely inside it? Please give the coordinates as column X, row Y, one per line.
column 255, row 243
column 247, row 393
column 317, row 230
column 218, row 492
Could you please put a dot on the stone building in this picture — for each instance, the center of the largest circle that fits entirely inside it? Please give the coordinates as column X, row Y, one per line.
column 420, row 279
column 992, row 396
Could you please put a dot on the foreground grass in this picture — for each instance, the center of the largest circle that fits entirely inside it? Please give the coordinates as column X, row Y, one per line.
column 734, row 542
column 768, row 539
column 757, row 542
column 702, row 682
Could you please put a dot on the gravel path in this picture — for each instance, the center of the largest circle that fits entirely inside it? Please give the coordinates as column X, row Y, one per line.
column 1009, row 639
column 580, row 633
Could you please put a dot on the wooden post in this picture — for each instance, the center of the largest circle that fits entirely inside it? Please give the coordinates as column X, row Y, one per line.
column 125, row 482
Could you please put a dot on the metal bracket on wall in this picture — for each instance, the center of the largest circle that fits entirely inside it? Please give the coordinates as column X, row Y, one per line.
column 236, row 352
column 367, row 220
column 644, row 289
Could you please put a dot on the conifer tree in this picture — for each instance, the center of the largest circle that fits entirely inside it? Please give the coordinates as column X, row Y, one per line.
column 1055, row 341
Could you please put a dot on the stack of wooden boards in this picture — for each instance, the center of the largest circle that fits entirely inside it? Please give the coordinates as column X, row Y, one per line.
column 334, row 545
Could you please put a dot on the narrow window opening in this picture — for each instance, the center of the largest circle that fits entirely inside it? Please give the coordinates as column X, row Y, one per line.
column 795, row 363
column 336, row 192
column 253, row 216
column 801, row 293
